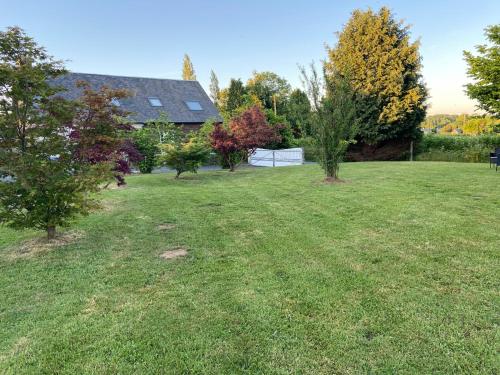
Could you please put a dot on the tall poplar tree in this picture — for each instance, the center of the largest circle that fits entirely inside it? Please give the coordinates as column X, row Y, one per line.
column 188, row 73
column 214, row 88
column 384, row 67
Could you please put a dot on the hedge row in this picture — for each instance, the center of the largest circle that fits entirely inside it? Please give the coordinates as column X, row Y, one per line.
column 471, row 149
column 460, row 148
column 307, row 144
column 431, row 142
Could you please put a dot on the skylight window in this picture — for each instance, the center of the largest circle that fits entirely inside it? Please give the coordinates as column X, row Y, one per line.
column 155, row 102
column 194, row 106
column 115, row 102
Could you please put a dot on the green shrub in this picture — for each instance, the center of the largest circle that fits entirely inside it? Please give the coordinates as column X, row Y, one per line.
column 147, row 146
column 307, row 144
column 183, row 157
column 283, row 128
column 460, row 148
column 458, row 142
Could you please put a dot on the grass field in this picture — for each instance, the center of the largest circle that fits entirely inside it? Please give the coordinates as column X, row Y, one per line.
column 396, row 270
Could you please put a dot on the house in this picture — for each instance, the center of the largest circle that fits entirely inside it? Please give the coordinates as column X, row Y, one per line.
column 185, row 102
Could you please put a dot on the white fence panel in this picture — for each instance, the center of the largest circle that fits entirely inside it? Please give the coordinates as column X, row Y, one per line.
column 276, row 158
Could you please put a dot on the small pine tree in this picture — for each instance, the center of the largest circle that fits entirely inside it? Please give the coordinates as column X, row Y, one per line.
column 188, row 73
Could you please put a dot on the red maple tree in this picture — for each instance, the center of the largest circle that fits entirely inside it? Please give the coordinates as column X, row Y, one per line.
column 246, row 133
column 101, row 132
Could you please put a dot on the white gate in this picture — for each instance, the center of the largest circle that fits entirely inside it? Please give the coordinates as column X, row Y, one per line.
column 276, row 158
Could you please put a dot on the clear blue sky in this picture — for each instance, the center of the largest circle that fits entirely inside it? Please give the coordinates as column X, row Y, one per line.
column 149, row 38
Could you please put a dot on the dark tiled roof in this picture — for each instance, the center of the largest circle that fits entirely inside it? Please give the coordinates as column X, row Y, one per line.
column 172, row 93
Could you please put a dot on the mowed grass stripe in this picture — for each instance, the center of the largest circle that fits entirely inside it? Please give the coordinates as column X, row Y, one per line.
column 393, row 271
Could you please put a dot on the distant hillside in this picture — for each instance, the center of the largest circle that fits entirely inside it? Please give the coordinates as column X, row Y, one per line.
column 461, row 124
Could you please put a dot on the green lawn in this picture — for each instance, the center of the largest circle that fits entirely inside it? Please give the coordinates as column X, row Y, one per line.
column 396, row 270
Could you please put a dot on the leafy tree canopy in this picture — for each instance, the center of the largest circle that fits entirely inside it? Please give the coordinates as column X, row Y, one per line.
column 48, row 183
column 148, row 148
column 102, row 131
column 375, row 51
column 184, row 156
column 462, row 124
column 271, row 90
column 162, row 130
column 283, row 131
column 245, row 133
column 485, row 70
column 298, row 111
column 235, row 96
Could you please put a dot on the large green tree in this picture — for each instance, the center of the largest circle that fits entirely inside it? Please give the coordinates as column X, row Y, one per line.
column 298, row 111
column 44, row 184
column 272, row 90
column 384, row 66
column 235, row 96
column 485, row 70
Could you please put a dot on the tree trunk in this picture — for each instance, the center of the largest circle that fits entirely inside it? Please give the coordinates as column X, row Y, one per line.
column 332, row 175
column 51, row 232
column 177, row 174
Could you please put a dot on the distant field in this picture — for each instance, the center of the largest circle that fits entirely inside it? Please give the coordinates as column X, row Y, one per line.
column 394, row 271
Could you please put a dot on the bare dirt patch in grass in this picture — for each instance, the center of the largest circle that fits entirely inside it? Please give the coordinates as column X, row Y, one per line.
column 91, row 306
column 166, row 226
column 176, row 252
column 41, row 245
column 331, row 180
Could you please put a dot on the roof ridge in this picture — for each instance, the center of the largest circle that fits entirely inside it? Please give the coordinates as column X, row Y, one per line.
column 172, row 93
column 114, row 75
